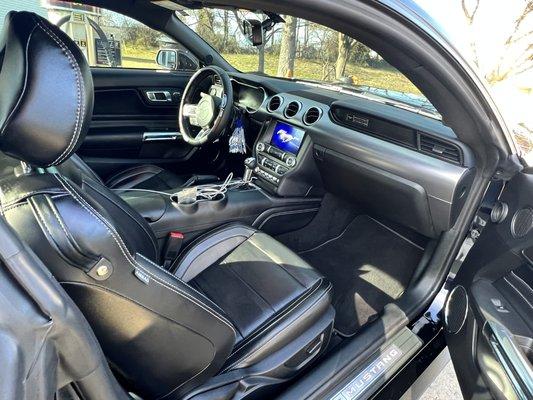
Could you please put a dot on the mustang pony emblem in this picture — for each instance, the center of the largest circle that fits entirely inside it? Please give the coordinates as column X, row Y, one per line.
column 285, row 136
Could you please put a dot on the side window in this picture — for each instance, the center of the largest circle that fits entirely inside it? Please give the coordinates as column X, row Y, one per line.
column 110, row 39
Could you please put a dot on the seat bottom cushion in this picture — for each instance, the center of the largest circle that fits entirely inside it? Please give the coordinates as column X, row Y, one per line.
column 269, row 293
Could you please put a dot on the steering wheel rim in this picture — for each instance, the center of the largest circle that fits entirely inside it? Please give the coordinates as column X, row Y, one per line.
column 212, row 113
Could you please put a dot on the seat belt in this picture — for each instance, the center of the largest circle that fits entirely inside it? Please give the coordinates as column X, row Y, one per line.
column 172, row 248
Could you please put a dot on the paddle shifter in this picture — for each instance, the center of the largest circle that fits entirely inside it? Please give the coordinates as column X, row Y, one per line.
column 249, row 165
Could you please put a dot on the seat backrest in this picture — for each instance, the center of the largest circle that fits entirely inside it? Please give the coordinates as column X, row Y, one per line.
column 159, row 334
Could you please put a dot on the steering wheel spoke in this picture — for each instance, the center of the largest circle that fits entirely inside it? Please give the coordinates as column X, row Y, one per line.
column 189, row 111
column 203, row 132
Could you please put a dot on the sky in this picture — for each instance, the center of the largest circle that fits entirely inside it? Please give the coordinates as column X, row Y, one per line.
column 493, row 23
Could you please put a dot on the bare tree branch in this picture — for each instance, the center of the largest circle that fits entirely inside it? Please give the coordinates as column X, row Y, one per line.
column 528, row 8
column 470, row 14
column 239, row 21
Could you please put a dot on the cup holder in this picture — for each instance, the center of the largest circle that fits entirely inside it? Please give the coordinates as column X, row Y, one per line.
column 219, row 202
column 189, row 208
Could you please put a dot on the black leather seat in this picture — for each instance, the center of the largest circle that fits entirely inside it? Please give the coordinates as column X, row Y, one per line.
column 152, row 177
column 257, row 282
column 239, row 313
column 145, row 176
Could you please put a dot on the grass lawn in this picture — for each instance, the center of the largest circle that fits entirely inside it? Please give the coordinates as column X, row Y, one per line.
column 382, row 78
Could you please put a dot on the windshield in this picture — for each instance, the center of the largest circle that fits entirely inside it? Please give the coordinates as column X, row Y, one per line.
column 305, row 51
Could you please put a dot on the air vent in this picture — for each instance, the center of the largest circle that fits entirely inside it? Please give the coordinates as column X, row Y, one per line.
column 439, row 148
column 312, row 115
column 274, row 103
column 217, row 80
column 292, row 109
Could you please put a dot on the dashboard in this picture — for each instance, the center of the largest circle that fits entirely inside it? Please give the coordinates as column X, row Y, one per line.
column 248, row 97
column 404, row 166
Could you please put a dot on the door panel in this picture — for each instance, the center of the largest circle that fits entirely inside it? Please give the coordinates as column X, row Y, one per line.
column 135, row 122
column 489, row 313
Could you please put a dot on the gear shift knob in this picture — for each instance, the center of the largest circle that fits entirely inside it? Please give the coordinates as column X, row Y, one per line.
column 250, row 162
column 249, row 165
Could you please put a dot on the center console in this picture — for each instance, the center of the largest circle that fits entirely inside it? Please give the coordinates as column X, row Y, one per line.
column 285, row 163
column 281, row 191
column 249, row 204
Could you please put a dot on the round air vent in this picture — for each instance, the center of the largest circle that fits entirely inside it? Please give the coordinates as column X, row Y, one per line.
column 292, row 109
column 312, row 115
column 522, row 222
column 274, row 103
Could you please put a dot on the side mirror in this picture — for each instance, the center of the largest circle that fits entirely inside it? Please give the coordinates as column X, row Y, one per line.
column 253, row 30
column 167, row 58
column 175, row 60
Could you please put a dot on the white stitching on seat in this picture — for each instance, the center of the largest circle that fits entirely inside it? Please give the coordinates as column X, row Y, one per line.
column 173, row 276
column 109, row 290
column 23, row 196
column 59, row 219
column 15, row 108
column 152, row 240
column 122, row 247
column 41, row 218
column 177, row 263
column 128, row 256
column 189, row 265
column 12, row 207
column 80, row 93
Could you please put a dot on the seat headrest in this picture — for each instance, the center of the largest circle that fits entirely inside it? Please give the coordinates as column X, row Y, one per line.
column 46, row 91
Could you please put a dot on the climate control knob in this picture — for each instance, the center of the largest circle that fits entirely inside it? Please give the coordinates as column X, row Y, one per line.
column 290, row 161
column 260, row 146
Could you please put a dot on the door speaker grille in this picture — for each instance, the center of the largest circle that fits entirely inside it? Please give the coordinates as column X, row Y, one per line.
column 456, row 309
column 522, row 222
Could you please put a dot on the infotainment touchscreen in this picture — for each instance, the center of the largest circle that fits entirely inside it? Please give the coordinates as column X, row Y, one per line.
column 287, row 137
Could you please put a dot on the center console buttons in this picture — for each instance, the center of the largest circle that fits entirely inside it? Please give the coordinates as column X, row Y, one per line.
column 290, row 161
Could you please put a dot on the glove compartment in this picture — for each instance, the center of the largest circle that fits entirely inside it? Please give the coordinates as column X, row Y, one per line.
column 421, row 193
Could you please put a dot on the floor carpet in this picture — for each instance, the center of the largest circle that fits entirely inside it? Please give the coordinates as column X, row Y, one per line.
column 369, row 265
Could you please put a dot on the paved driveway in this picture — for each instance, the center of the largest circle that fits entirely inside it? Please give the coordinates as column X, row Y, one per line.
column 445, row 387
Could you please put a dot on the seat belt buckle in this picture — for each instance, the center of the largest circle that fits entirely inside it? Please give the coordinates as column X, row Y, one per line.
column 172, row 248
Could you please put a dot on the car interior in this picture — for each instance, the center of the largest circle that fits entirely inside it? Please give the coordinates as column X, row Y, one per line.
column 205, row 274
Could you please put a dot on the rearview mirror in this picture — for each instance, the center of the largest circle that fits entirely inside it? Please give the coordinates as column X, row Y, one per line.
column 253, row 30
column 176, row 60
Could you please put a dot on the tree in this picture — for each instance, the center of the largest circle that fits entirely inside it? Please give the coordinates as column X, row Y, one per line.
column 523, row 60
column 261, row 48
column 206, row 26
column 287, row 52
column 225, row 24
column 470, row 11
column 517, row 54
column 344, row 46
column 323, row 49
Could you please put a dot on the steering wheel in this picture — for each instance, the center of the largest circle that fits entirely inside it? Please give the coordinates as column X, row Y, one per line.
column 212, row 112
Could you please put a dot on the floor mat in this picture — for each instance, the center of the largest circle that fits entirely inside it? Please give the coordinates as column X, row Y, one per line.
column 369, row 266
